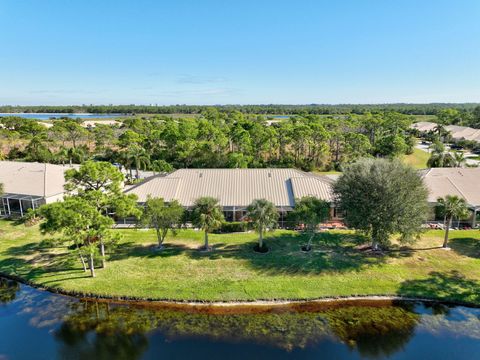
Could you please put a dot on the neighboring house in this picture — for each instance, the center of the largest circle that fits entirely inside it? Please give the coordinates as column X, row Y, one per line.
column 463, row 182
column 424, row 126
column 236, row 188
column 456, row 132
column 29, row 185
column 463, row 133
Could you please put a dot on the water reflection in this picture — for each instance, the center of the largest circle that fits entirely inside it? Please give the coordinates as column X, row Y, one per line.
column 8, row 290
column 96, row 330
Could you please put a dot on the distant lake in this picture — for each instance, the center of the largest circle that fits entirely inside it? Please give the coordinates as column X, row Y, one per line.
column 38, row 325
column 48, row 116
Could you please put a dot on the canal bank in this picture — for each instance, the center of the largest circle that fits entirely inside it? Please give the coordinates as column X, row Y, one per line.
column 70, row 328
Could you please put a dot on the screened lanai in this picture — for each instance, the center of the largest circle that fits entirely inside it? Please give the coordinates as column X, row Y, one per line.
column 16, row 204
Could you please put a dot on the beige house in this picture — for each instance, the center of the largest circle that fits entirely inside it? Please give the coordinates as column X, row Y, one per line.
column 29, row 185
column 464, row 133
column 424, row 126
column 463, row 182
column 236, row 188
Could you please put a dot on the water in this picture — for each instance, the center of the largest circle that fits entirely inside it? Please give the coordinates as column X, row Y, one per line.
column 45, row 116
column 280, row 116
column 39, row 325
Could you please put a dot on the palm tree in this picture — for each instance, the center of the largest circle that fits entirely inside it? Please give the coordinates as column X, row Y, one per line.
column 440, row 130
column 62, row 155
column 124, row 158
column 452, row 206
column 459, row 159
column 264, row 216
column 441, row 159
column 77, row 154
column 208, row 216
column 139, row 157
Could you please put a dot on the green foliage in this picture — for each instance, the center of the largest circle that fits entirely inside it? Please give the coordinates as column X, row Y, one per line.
column 161, row 166
column 382, row 198
column 451, row 206
column 125, row 206
column 274, row 109
column 234, row 226
column 310, row 212
column 99, row 185
column 233, row 272
column 94, row 175
column 391, row 146
column 161, row 216
column 207, row 215
column 221, row 139
column 69, row 130
column 264, row 217
column 37, row 151
column 79, row 221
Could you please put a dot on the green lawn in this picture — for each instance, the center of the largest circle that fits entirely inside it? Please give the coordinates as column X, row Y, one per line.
column 234, row 272
column 418, row 159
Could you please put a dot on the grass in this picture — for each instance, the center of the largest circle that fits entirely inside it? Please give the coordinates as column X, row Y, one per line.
column 418, row 159
column 330, row 172
column 232, row 271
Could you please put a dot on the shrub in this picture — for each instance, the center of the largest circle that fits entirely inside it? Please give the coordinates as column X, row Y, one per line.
column 230, row 227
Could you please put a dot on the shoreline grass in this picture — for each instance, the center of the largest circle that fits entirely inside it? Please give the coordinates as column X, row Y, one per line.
column 233, row 272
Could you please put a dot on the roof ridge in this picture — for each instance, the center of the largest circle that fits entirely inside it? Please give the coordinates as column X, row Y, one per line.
column 456, row 187
column 425, row 172
column 144, row 182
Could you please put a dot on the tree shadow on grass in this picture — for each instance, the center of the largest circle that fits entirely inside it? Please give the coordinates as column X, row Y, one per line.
column 332, row 252
column 130, row 249
column 466, row 247
column 446, row 286
column 35, row 260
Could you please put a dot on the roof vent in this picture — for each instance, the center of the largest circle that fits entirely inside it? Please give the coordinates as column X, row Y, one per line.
column 200, row 175
column 269, row 174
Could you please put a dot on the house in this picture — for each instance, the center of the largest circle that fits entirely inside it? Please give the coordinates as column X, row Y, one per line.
column 424, row 126
column 29, row 185
column 463, row 182
column 463, row 133
column 235, row 189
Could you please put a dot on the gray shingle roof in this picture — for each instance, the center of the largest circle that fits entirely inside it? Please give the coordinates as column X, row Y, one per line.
column 235, row 187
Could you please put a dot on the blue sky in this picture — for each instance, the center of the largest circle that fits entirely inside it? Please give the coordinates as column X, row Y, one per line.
column 239, row 52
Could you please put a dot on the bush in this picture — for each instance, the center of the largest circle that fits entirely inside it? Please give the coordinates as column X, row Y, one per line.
column 230, row 227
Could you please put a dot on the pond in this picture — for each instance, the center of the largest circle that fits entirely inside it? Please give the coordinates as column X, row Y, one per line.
column 48, row 116
column 39, row 325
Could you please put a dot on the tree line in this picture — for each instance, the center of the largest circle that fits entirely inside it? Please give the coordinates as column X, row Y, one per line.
column 265, row 109
column 214, row 140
